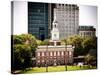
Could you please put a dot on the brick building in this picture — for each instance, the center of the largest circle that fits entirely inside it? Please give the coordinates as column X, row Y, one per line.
column 54, row 55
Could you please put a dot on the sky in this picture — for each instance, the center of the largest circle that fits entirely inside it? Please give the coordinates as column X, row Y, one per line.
column 88, row 15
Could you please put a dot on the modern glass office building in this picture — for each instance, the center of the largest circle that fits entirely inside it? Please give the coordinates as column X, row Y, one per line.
column 38, row 20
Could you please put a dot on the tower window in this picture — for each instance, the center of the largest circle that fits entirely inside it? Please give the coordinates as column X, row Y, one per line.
column 54, row 35
column 55, row 26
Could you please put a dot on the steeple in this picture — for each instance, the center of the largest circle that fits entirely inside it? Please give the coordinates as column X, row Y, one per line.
column 55, row 23
column 55, row 31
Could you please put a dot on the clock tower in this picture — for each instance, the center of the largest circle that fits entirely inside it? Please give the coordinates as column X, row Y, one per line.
column 55, row 32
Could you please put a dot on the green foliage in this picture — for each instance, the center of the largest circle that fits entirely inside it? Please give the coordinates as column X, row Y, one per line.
column 82, row 45
column 39, row 42
column 89, row 43
column 76, row 41
column 21, row 56
column 89, row 58
column 45, row 42
column 17, row 39
column 23, row 49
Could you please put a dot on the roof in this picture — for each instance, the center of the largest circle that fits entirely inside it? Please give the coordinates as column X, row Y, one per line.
column 69, row 46
column 86, row 28
column 55, row 48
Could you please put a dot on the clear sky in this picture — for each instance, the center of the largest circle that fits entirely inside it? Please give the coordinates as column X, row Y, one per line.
column 88, row 15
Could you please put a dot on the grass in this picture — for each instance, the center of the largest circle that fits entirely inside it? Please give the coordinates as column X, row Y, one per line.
column 54, row 69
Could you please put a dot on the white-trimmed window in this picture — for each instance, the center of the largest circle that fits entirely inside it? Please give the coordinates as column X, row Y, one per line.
column 38, row 53
column 54, row 53
column 62, row 53
column 50, row 53
column 70, row 53
column 42, row 53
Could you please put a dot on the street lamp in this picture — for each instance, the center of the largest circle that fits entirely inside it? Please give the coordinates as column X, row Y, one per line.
column 47, row 58
column 65, row 54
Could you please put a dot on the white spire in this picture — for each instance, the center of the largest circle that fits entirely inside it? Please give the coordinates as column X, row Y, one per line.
column 55, row 14
column 55, row 31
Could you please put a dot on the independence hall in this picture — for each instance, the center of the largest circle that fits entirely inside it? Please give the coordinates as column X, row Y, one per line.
column 54, row 53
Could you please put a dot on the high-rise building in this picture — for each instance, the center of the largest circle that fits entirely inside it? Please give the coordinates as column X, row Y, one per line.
column 67, row 18
column 40, row 17
column 38, row 20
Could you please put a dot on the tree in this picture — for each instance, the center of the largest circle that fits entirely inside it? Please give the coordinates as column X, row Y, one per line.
column 45, row 42
column 76, row 41
column 23, row 49
column 82, row 45
column 16, row 39
column 21, row 58
column 31, row 41
column 39, row 42
column 89, row 43
column 89, row 59
column 63, row 41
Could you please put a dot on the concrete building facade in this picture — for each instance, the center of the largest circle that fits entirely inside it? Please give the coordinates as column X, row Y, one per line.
column 87, row 31
column 68, row 19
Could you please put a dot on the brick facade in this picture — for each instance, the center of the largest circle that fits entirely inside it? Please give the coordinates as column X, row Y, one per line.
column 54, row 55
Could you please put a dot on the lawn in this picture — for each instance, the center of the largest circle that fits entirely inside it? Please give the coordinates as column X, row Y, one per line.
column 54, row 69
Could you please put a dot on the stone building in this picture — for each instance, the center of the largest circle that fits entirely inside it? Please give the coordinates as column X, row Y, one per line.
column 87, row 31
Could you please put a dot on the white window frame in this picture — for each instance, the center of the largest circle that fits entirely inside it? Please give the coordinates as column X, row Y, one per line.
column 54, row 53
column 70, row 53
column 62, row 53
column 42, row 53
column 38, row 53
column 50, row 53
